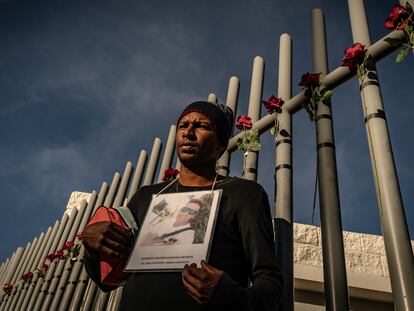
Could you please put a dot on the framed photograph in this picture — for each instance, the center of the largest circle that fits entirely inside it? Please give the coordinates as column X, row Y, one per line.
column 177, row 230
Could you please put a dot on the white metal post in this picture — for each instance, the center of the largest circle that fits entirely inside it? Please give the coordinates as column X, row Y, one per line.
column 231, row 102
column 393, row 221
column 283, row 222
column 335, row 281
column 255, row 104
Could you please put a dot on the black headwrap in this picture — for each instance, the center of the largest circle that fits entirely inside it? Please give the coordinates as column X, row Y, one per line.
column 221, row 117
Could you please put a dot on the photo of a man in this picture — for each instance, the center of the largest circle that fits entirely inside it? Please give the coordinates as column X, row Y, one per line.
column 187, row 227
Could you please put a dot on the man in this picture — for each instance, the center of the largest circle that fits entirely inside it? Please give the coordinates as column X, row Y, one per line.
column 242, row 250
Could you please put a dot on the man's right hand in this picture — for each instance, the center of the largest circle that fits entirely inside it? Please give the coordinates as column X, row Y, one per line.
column 106, row 238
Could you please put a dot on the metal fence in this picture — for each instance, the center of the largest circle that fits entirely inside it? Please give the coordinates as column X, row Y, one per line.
column 66, row 285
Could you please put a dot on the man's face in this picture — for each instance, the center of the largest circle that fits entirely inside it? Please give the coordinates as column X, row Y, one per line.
column 196, row 140
column 186, row 213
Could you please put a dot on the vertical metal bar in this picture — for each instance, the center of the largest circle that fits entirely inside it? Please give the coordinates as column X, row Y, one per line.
column 393, row 221
column 50, row 247
column 152, row 165
column 2, row 269
column 101, row 197
column 102, row 297
column 19, row 270
column 57, row 286
column 57, row 266
column 168, row 153
column 24, row 269
column 83, row 282
column 335, row 281
column 255, row 104
column 16, row 276
column 6, row 268
column 68, row 287
column 116, row 301
column 73, row 267
column 18, row 273
column 231, row 102
column 24, row 300
column 119, row 199
column 8, row 264
column 283, row 222
column 88, row 297
column 2, row 293
column 14, row 263
column 112, row 190
column 31, row 267
column 139, row 169
column 53, row 271
column 212, row 98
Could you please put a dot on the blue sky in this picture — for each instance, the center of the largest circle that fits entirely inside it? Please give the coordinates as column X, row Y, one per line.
column 85, row 85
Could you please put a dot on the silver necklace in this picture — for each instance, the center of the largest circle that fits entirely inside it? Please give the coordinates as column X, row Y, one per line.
column 176, row 188
column 212, row 187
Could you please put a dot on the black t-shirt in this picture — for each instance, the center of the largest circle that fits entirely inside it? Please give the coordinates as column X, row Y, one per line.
column 242, row 247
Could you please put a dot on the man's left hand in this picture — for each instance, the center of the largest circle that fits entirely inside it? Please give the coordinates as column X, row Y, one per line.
column 200, row 283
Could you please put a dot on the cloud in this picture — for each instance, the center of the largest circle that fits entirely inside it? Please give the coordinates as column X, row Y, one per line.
column 85, row 87
column 52, row 172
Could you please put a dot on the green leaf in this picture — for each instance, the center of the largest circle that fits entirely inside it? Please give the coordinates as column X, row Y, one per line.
column 403, row 54
column 393, row 41
column 409, row 8
column 327, row 94
column 309, row 111
column 312, row 101
column 255, row 147
column 76, row 250
column 239, row 144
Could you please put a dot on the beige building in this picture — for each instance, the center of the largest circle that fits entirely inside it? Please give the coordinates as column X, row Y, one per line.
column 367, row 271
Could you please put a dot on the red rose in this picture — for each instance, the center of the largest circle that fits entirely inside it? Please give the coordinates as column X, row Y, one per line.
column 170, row 174
column 273, row 104
column 51, row 257
column 27, row 277
column 59, row 254
column 8, row 288
column 44, row 267
column 398, row 18
column 79, row 236
column 244, row 123
column 310, row 80
column 42, row 270
column 354, row 56
column 68, row 245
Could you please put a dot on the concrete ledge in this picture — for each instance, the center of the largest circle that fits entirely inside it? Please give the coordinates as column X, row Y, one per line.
column 367, row 287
